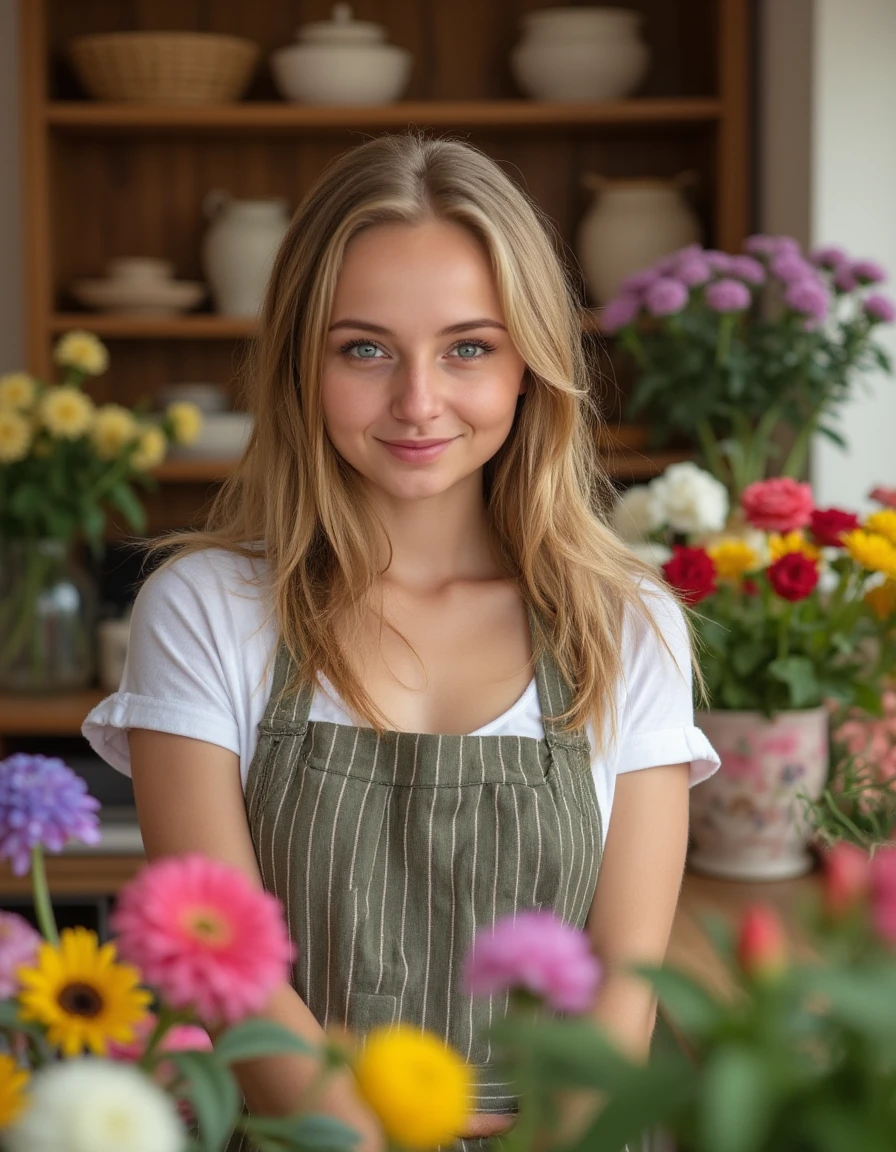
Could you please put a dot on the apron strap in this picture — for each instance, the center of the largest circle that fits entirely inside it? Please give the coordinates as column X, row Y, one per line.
column 554, row 693
column 289, row 713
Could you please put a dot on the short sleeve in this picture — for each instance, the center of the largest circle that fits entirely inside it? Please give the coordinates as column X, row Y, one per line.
column 656, row 722
column 176, row 676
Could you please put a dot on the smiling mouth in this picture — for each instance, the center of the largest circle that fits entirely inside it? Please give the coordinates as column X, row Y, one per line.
column 416, row 443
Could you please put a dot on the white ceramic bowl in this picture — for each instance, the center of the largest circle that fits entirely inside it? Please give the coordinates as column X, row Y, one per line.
column 579, row 69
column 142, row 268
column 148, row 297
column 341, row 73
column 582, row 23
column 208, row 398
column 223, row 437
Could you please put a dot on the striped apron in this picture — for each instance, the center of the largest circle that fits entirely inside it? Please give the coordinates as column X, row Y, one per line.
column 389, row 853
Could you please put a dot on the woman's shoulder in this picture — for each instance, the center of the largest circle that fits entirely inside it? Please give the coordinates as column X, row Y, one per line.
column 209, row 571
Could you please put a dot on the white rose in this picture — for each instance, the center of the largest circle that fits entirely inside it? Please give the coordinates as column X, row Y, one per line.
column 692, row 500
column 637, row 513
column 650, row 553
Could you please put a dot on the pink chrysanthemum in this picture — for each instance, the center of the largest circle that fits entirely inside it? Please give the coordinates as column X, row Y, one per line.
column 537, row 952
column 204, row 936
column 19, row 944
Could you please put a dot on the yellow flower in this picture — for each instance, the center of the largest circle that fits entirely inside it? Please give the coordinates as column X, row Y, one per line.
column 66, row 412
column 871, row 551
column 187, row 421
column 419, row 1088
column 883, row 523
column 17, row 390
column 732, row 558
column 15, row 437
column 81, row 995
column 150, row 450
column 12, row 1090
column 882, row 599
column 82, row 350
column 779, row 546
column 113, row 429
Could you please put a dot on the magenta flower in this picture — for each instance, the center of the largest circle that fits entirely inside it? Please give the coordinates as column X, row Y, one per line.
column 746, row 268
column 882, row 874
column 620, row 312
column 844, row 280
column 692, row 270
column 638, row 282
column 880, row 310
column 832, row 259
column 809, row 296
column 204, row 936
column 791, row 267
column 868, row 272
column 728, row 296
column 19, row 943
column 666, row 296
column 42, row 803
column 537, row 952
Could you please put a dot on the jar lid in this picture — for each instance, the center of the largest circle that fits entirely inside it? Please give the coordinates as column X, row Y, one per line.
column 341, row 29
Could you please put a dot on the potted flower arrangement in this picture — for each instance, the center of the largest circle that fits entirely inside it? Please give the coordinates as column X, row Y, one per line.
column 63, row 462
column 794, row 614
column 727, row 349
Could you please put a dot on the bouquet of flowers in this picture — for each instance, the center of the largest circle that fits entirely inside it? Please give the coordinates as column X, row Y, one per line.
column 727, row 348
column 797, row 604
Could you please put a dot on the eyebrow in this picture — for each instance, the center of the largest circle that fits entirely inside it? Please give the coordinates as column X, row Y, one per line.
column 464, row 326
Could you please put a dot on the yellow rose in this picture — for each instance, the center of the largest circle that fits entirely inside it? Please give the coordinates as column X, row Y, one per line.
column 882, row 599
column 871, row 551
column 82, row 350
column 418, row 1087
column 150, row 450
column 883, row 523
column 66, row 412
column 15, row 437
column 113, row 429
column 779, row 546
column 187, row 421
column 17, row 391
column 733, row 558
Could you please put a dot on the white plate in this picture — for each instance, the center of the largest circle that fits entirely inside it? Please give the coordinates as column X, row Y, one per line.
column 147, row 297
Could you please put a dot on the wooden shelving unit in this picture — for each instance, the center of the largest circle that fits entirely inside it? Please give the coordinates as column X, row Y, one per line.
column 112, row 326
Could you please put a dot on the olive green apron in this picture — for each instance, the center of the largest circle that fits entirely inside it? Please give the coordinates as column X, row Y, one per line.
column 390, row 853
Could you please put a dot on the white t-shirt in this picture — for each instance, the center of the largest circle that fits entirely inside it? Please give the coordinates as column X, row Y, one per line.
column 200, row 664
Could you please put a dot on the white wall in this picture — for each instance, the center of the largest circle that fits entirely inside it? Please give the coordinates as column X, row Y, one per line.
column 12, row 312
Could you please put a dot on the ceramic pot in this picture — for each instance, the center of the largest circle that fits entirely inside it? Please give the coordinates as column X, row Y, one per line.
column 341, row 61
column 629, row 225
column 580, row 54
column 748, row 821
column 238, row 249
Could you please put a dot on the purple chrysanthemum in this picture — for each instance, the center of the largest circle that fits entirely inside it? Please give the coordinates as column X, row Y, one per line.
column 844, row 281
column 620, row 312
column 832, row 259
column 868, row 272
column 638, row 282
column 19, row 943
column 42, row 802
column 692, row 270
column 720, row 262
column 728, row 296
column 666, row 296
column 789, row 266
column 746, row 268
column 538, row 952
column 761, row 245
column 880, row 309
column 808, row 296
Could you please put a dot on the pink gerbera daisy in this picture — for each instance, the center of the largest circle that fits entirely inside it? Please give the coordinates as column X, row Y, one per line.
column 204, row 936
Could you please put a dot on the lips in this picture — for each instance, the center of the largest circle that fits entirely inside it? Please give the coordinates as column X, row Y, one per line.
column 415, row 443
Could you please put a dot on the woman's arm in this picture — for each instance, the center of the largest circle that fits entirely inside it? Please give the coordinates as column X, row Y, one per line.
column 190, row 799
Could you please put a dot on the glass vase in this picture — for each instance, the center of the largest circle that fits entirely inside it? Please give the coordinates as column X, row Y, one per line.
column 48, row 608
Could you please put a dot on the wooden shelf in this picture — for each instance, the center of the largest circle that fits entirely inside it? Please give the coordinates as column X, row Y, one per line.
column 116, row 326
column 87, row 116
column 193, row 471
column 90, row 874
column 60, row 715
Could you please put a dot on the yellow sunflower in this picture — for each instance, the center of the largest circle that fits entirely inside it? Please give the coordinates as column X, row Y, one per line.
column 15, row 437
column 12, row 1090
column 113, row 428
column 81, row 995
column 779, row 546
column 17, row 390
column 882, row 599
column 871, row 550
column 83, row 351
column 733, row 558
column 186, row 420
column 66, row 412
column 419, row 1087
column 883, row 523
column 151, row 449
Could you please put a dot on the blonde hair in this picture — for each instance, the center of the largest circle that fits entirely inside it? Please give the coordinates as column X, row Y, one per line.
column 292, row 498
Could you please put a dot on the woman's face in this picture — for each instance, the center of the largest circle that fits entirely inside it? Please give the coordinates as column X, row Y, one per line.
column 420, row 379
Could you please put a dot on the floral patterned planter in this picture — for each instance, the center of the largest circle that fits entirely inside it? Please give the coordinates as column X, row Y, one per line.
column 747, row 821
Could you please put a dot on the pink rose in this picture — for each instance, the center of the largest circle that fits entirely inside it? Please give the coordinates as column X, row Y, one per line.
column 779, row 505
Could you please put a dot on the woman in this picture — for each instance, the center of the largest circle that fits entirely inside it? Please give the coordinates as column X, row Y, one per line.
column 407, row 550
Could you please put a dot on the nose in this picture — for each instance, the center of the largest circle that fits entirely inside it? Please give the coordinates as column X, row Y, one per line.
column 416, row 398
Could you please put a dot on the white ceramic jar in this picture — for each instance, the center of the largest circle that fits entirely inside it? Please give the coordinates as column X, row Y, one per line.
column 238, row 249
column 341, row 61
column 580, row 54
column 629, row 225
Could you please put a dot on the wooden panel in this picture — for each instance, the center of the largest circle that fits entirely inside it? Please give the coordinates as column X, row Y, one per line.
column 71, row 875
column 46, row 715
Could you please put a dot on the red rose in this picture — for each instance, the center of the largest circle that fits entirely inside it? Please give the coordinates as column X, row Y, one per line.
column 692, row 572
column 828, row 525
column 793, row 576
column 779, row 505
column 761, row 943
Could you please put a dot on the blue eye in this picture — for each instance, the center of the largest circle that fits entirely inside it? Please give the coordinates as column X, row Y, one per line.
column 366, row 349
column 473, row 349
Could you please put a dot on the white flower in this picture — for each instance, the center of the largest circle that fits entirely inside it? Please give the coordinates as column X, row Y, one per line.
column 90, row 1105
column 691, row 499
column 637, row 513
column 650, row 553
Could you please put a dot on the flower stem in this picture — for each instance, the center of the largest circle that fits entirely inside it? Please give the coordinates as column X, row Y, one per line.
column 167, row 1018
column 43, row 905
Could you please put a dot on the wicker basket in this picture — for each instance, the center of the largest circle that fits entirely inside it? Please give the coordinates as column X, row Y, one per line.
column 164, row 67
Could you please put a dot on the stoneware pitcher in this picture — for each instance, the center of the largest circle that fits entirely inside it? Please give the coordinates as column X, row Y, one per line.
column 238, row 249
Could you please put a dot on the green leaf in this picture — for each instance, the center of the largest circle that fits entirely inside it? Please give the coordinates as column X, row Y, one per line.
column 253, row 1038
column 311, row 1133
column 213, row 1092
column 736, row 1100
column 798, row 673
column 688, row 1003
column 568, row 1053
column 122, row 497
